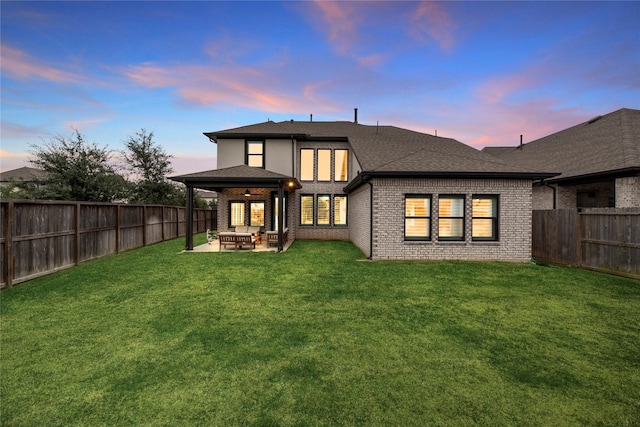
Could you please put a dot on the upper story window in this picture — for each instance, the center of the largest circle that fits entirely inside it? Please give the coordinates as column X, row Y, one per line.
column 341, row 165
column 324, row 165
column 307, row 161
column 255, row 154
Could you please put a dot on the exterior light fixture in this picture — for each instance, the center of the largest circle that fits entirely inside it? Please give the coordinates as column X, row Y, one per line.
column 247, row 193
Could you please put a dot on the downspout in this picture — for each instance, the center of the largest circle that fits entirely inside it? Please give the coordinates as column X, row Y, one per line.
column 552, row 189
column 370, row 221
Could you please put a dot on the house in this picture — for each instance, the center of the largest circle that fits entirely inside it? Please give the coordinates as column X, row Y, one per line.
column 599, row 161
column 21, row 175
column 395, row 193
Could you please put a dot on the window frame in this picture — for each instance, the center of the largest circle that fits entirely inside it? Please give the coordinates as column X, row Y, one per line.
column 255, row 202
column 313, row 164
column 428, row 217
column 319, row 167
column 249, row 155
column 335, row 165
column 463, row 217
column 244, row 213
column 494, row 219
column 317, row 210
column 346, row 214
column 313, row 208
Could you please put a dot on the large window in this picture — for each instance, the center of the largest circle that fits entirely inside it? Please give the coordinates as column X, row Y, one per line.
column 340, row 210
column 484, row 222
column 306, row 210
column 255, row 154
column 324, row 209
column 451, row 217
column 324, row 165
column 341, row 165
column 307, row 162
column 276, row 211
column 236, row 214
column 256, row 211
column 417, row 217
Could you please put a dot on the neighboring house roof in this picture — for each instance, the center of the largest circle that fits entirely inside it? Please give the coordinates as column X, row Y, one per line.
column 22, row 174
column 603, row 147
column 391, row 151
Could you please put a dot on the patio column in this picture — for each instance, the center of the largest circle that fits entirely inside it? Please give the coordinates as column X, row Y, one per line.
column 189, row 233
column 280, row 216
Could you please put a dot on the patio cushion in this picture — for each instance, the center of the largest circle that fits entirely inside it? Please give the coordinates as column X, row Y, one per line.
column 242, row 229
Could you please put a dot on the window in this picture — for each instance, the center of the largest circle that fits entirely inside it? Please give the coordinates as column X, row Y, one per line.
column 586, row 199
column 255, row 154
column 340, row 210
column 256, row 212
column 417, row 217
column 307, row 161
column 484, row 222
column 306, row 210
column 275, row 211
column 324, row 209
column 324, row 165
column 341, row 165
column 236, row 214
column 451, row 217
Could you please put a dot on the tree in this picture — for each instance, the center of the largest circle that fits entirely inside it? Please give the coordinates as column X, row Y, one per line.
column 149, row 165
column 77, row 170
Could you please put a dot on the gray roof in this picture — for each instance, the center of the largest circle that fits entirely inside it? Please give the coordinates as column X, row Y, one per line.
column 234, row 176
column 389, row 150
column 606, row 145
column 23, row 174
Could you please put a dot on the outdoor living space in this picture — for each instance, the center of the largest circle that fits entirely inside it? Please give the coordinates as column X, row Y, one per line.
column 243, row 239
column 261, row 245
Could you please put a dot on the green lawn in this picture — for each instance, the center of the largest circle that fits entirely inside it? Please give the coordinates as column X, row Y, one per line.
column 314, row 337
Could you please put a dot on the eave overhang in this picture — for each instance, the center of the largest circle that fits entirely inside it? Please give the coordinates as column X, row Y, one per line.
column 595, row 177
column 213, row 136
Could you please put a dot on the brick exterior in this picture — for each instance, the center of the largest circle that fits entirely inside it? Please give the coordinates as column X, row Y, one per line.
column 360, row 218
column 514, row 242
column 628, row 192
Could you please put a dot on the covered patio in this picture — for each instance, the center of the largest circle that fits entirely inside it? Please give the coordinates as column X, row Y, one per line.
column 242, row 183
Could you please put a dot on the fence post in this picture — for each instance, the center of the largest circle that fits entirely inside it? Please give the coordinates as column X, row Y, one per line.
column 144, row 225
column 8, row 246
column 117, row 229
column 579, row 240
column 76, row 250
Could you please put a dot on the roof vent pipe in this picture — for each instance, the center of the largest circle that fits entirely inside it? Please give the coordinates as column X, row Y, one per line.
column 355, row 115
column 520, row 147
column 310, row 117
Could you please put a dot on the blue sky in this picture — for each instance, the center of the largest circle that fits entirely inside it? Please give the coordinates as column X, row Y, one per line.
column 480, row 72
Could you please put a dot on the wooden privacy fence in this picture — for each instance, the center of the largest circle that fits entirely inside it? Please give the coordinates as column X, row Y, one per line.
column 38, row 237
column 603, row 239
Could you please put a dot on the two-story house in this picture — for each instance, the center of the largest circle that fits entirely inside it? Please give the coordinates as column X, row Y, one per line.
column 395, row 193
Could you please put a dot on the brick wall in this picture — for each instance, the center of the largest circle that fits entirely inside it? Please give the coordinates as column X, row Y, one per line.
column 628, row 192
column 514, row 220
column 360, row 218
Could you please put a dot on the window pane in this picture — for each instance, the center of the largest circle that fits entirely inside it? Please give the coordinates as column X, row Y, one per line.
column 306, row 165
column 485, row 207
column 483, row 228
column 451, row 228
column 340, row 210
column 237, row 214
column 341, row 165
column 254, row 161
column 324, row 204
column 451, row 207
column 255, row 147
column 257, row 214
column 417, row 227
column 306, row 210
column 417, row 207
column 324, row 165
column 276, row 212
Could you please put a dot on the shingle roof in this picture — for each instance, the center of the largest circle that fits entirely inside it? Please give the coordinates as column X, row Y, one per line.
column 605, row 144
column 241, row 175
column 24, row 173
column 387, row 149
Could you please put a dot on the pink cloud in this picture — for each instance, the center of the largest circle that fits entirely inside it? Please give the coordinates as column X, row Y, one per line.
column 431, row 19
column 22, row 66
column 341, row 23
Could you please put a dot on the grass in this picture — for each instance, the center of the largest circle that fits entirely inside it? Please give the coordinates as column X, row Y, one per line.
column 314, row 337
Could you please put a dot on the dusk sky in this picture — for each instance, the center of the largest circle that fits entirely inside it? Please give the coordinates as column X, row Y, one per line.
column 479, row 72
